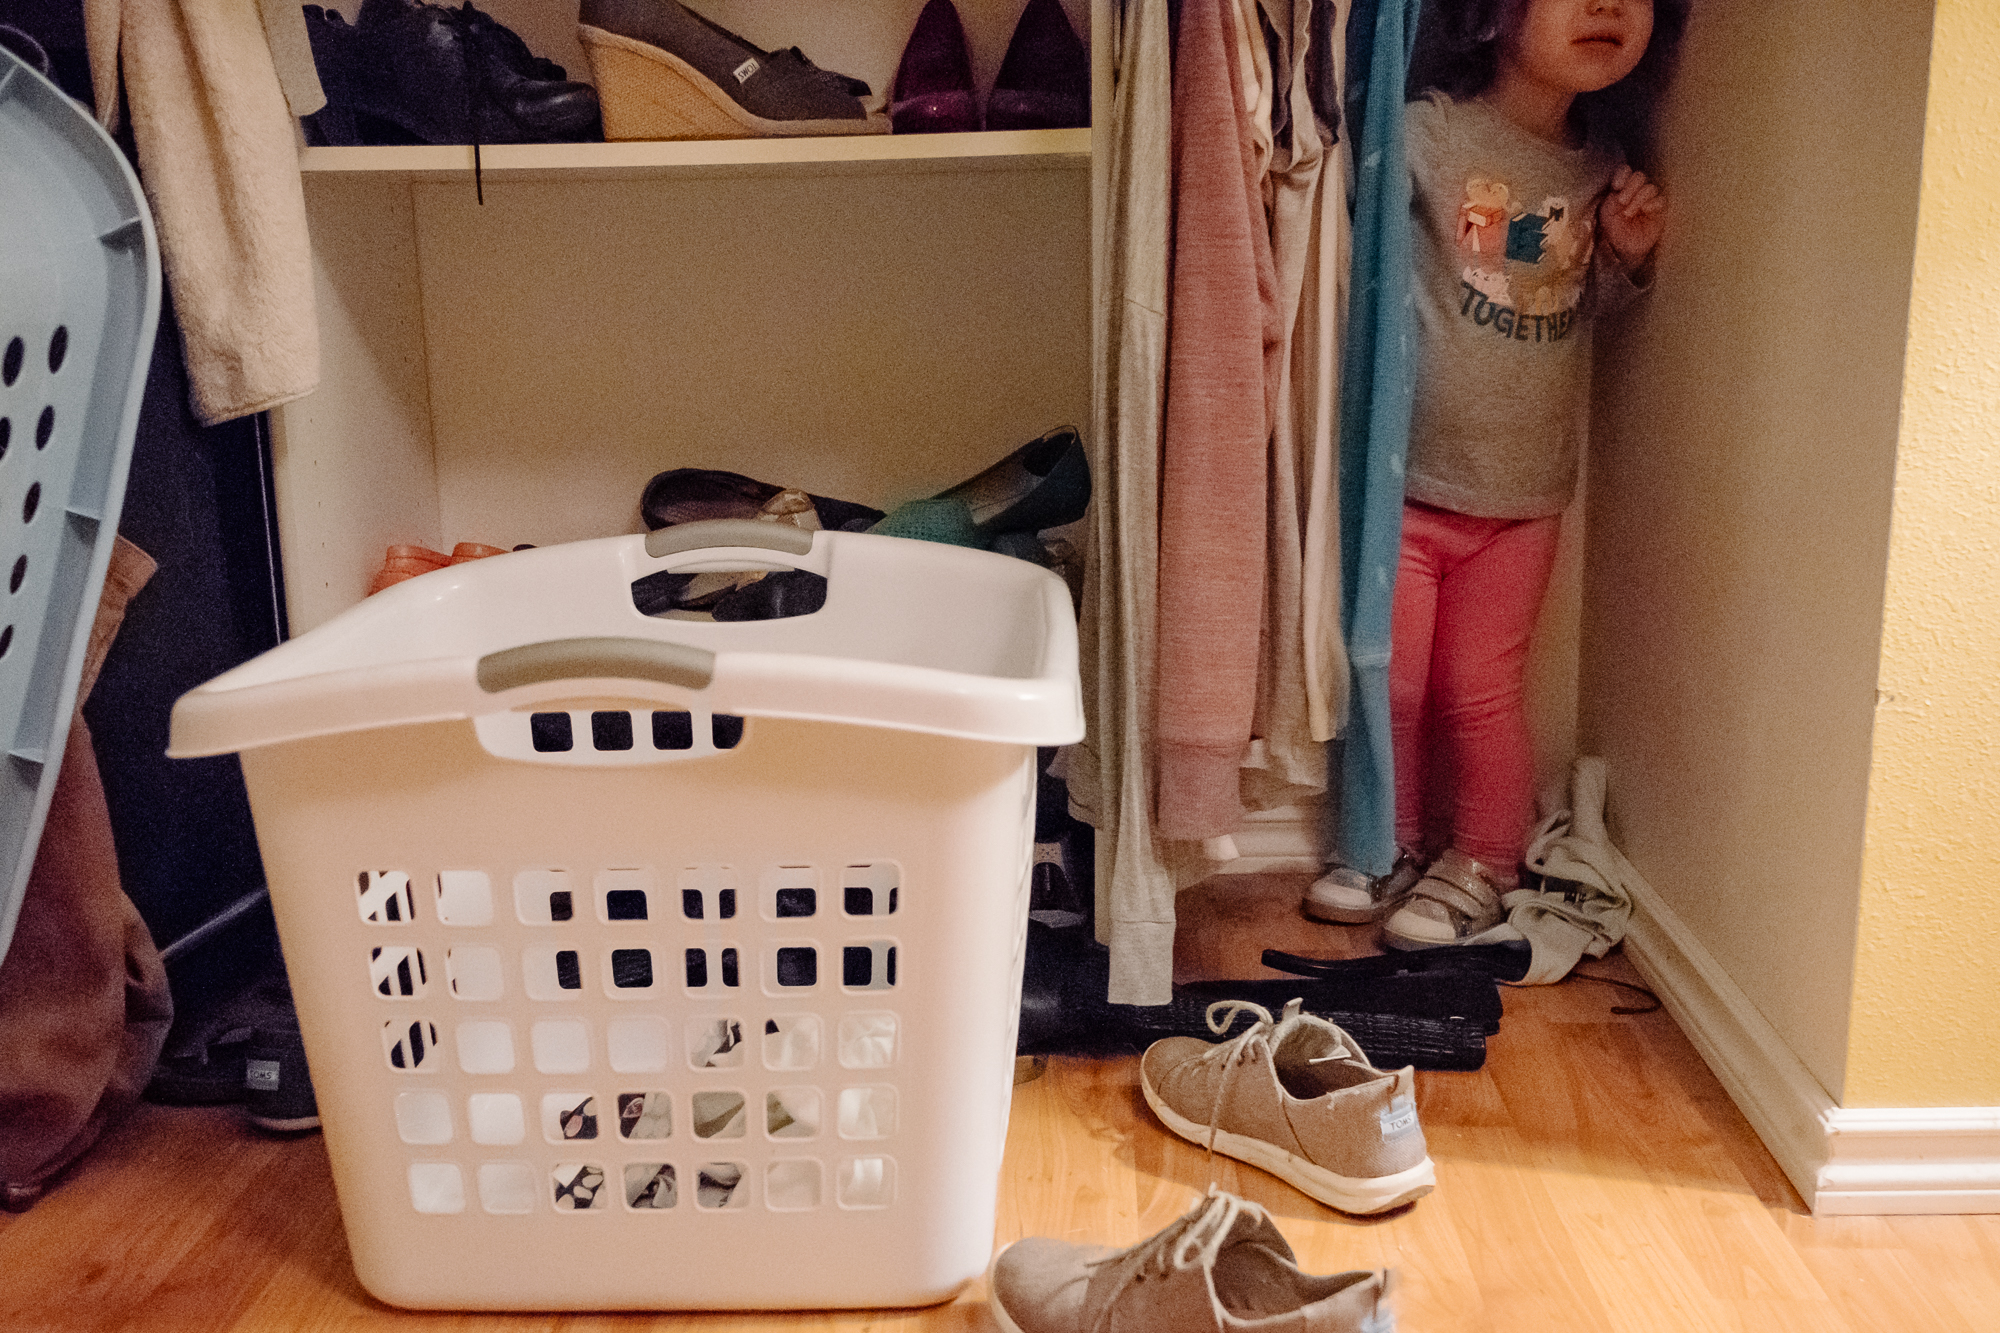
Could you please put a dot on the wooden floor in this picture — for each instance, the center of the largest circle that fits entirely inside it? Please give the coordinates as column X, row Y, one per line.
column 1593, row 1177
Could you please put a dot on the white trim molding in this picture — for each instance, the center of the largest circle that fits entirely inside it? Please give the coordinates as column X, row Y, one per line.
column 1860, row 1161
column 1285, row 839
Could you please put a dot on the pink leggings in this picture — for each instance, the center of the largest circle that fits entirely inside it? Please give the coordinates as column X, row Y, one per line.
column 1467, row 594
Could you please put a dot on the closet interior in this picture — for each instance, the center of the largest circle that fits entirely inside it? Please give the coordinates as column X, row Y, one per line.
column 507, row 358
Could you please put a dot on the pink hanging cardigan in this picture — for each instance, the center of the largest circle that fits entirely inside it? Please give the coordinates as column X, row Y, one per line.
column 1222, row 333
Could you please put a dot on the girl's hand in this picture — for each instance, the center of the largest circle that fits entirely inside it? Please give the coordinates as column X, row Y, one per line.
column 1632, row 217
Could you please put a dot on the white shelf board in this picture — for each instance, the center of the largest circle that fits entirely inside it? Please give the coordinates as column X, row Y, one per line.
column 992, row 150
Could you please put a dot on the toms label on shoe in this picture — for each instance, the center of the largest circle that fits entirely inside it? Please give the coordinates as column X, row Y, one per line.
column 261, row 1075
column 745, row 70
column 1399, row 1118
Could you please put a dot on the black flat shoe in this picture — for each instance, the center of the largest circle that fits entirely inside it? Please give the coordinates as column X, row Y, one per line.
column 1043, row 484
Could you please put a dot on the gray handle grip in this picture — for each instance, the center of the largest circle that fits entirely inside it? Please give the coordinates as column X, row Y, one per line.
column 582, row 659
column 715, row 532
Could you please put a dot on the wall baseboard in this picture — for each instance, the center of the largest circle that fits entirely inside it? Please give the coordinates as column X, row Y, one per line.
column 1853, row 1162
column 1286, row 839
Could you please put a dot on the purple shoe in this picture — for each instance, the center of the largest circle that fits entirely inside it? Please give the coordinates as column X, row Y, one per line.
column 933, row 89
column 1044, row 81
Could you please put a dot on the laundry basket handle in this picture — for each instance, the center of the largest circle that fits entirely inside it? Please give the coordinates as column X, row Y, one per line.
column 613, row 658
column 715, row 532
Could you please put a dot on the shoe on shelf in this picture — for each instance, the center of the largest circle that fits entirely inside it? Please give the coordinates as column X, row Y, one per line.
column 1296, row 1097
column 1350, row 897
column 693, row 494
column 1456, row 902
column 665, row 72
column 406, row 72
column 933, row 89
column 1222, row 1266
column 400, row 563
column 1044, row 81
column 1043, row 484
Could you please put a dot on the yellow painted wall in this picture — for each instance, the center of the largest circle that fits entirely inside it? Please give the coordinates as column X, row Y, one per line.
column 1926, row 997
column 1743, row 459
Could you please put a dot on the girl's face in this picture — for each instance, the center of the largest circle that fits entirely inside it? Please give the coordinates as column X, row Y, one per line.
column 1577, row 46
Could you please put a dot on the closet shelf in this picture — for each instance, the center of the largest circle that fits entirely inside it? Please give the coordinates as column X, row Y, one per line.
column 994, row 150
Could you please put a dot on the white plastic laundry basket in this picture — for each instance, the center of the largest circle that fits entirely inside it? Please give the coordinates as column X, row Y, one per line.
column 660, row 963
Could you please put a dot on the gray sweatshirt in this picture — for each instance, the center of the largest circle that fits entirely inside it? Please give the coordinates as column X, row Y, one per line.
column 1506, row 284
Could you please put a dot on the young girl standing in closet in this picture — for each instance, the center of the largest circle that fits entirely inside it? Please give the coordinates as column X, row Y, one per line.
column 1527, row 224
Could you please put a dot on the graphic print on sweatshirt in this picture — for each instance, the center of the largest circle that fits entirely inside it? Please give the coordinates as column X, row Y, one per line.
column 1523, row 265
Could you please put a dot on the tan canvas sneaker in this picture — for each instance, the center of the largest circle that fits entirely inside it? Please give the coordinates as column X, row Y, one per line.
column 1222, row 1268
column 1297, row 1097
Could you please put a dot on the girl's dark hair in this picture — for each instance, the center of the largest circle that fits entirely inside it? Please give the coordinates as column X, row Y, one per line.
column 1458, row 52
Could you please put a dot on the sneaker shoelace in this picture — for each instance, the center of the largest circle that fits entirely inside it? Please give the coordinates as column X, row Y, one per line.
column 1193, row 1241
column 1231, row 1053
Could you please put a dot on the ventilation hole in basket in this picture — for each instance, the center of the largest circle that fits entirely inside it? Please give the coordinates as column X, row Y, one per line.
column 716, row 1043
column 561, row 907
column 730, row 974
column 691, row 904
column 397, row 972
column 58, row 348
column 473, row 971
column 725, row 904
column 6, row 640
column 798, row 966
column 645, row 1115
column 561, row 1046
column 726, row 730
column 569, row 1116
column 384, row 895
column 697, row 968
column 791, row 1041
column 868, row 966
column 792, row 1186
column 409, row 1045
column 45, row 426
column 792, row 1113
column 719, row 1115
column 10, row 363
column 507, row 1188
column 485, row 1047
column 720, row 1185
column 31, row 503
column 6, row 435
column 496, row 1118
column 866, row 1182
column 464, row 898
column 611, row 730
column 436, row 1187
column 20, row 573
column 550, row 732
column 870, row 889
column 649, row 1185
column 423, row 1118
column 673, row 731
column 637, row 1045
column 867, row 1113
column 579, row 1186
column 569, row 970
column 632, row 969
column 867, row 1041
column 797, row 902
column 625, row 904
